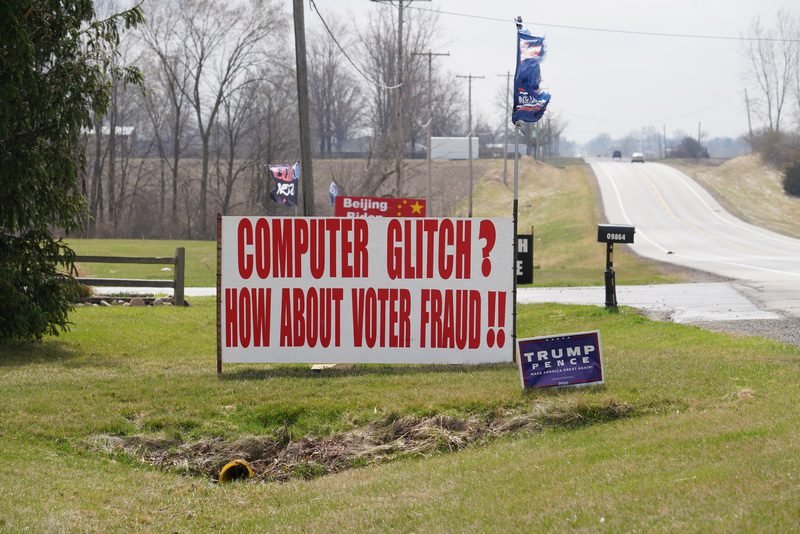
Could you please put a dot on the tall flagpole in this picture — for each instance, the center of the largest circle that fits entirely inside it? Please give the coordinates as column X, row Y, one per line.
column 507, row 76
column 541, row 98
column 515, row 217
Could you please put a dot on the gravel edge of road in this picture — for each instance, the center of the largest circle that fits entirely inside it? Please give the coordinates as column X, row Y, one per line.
column 781, row 330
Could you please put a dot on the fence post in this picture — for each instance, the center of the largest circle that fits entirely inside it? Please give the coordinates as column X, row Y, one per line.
column 180, row 264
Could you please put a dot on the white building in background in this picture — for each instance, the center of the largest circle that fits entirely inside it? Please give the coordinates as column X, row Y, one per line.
column 120, row 131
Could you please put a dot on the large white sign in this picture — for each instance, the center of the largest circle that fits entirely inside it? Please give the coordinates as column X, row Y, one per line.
column 371, row 290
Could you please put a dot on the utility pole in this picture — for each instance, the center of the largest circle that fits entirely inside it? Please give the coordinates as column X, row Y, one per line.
column 505, row 136
column 307, row 184
column 398, row 165
column 699, row 146
column 665, row 141
column 429, row 206
column 749, row 124
column 469, row 78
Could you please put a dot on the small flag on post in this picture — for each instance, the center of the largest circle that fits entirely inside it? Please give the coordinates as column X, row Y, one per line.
column 334, row 191
column 285, row 178
column 530, row 103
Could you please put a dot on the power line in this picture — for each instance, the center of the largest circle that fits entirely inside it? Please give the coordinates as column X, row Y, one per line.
column 341, row 48
column 610, row 30
column 664, row 119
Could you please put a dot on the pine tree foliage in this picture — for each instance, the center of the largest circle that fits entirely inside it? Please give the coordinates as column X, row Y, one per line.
column 55, row 61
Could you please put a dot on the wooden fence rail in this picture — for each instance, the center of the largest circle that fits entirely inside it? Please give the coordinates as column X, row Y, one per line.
column 177, row 283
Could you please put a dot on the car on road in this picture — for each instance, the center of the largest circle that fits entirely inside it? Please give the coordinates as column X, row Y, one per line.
column 637, row 157
column 616, row 155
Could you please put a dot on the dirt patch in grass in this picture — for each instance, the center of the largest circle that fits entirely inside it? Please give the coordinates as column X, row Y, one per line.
column 279, row 457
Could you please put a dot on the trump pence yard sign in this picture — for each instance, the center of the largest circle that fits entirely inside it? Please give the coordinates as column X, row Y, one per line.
column 561, row 360
column 365, row 290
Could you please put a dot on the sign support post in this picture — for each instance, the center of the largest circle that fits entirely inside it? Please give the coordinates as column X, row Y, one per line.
column 515, row 217
column 611, row 286
column 610, row 234
column 219, row 293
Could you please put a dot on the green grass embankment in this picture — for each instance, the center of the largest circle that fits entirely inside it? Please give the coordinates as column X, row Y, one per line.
column 709, row 440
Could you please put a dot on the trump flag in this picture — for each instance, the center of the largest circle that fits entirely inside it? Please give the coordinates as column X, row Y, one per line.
column 529, row 102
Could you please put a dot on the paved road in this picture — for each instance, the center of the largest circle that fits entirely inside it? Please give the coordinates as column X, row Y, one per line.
column 677, row 221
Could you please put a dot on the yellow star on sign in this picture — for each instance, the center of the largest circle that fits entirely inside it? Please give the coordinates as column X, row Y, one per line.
column 416, row 207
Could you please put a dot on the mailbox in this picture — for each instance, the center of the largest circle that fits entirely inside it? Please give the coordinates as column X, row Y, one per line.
column 610, row 234
column 615, row 233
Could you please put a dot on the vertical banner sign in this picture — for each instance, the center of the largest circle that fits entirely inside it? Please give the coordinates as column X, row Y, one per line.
column 285, row 178
column 524, row 261
column 563, row 360
column 365, row 290
column 530, row 102
column 347, row 206
column 334, row 190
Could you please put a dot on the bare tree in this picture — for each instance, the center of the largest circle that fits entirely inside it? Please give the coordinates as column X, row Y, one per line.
column 335, row 92
column 378, row 42
column 600, row 144
column 772, row 64
column 97, row 150
column 793, row 30
column 222, row 43
column 274, row 137
column 100, row 140
column 112, row 143
column 232, row 132
column 166, row 102
column 448, row 112
column 379, row 45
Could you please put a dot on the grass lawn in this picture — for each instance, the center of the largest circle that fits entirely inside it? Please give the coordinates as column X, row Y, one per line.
column 201, row 259
column 693, row 430
column 710, row 441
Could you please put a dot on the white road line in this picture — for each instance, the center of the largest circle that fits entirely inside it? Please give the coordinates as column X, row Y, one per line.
column 625, row 213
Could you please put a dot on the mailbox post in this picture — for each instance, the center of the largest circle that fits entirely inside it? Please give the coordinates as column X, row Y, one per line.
column 610, row 234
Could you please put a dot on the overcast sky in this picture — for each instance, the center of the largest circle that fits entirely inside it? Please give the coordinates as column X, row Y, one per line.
column 602, row 81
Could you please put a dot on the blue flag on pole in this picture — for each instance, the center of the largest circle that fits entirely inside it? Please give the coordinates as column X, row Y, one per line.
column 334, row 191
column 529, row 102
